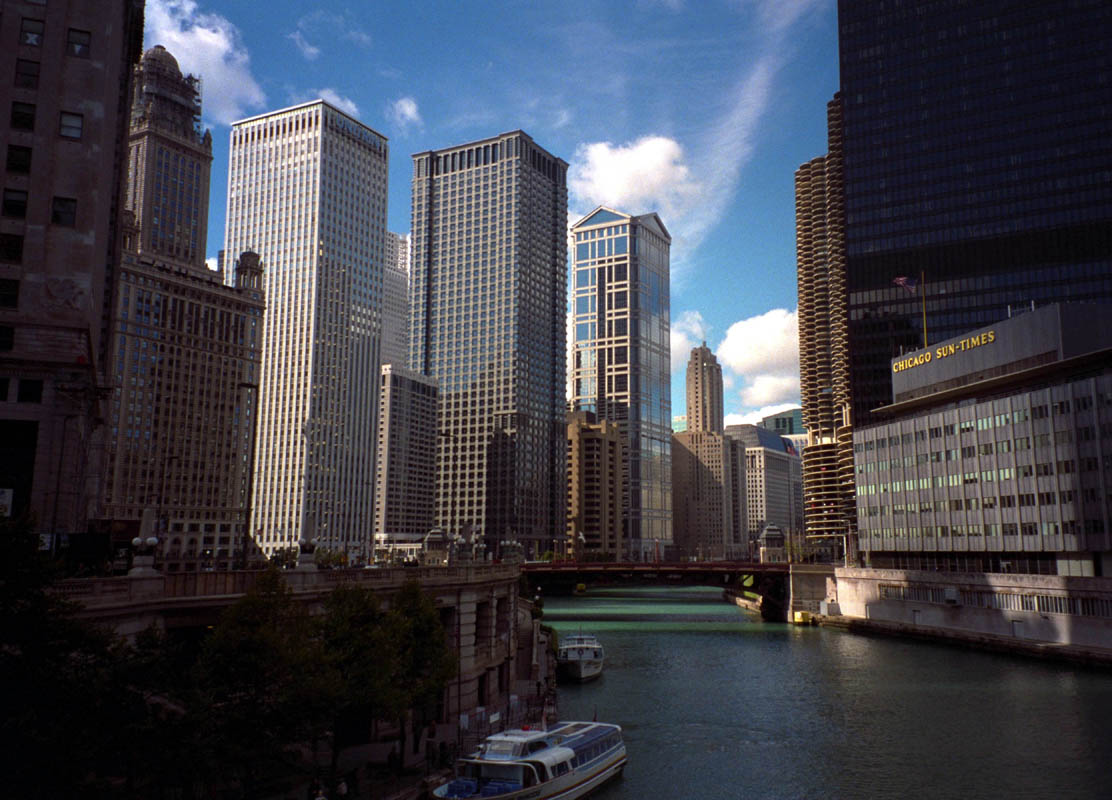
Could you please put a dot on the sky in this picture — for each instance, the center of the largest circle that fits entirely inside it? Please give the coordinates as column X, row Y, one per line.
column 699, row 110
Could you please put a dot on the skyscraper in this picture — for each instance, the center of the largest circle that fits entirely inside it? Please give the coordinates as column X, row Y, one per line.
column 67, row 75
column 773, row 481
column 704, row 391
column 169, row 160
column 596, row 486
column 976, row 163
column 620, row 368
column 395, row 300
column 185, row 346
column 405, row 477
column 307, row 191
column 824, row 359
column 487, row 320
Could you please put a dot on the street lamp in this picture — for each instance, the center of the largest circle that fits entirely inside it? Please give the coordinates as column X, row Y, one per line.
column 250, row 481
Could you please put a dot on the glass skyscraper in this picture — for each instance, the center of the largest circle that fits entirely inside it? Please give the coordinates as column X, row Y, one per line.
column 620, row 368
column 977, row 168
column 307, row 192
column 488, row 303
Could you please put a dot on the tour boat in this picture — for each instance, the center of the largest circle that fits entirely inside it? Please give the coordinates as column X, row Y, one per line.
column 580, row 657
column 564, row 762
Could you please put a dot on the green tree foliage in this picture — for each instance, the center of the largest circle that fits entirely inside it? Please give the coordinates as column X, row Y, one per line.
column 260, row 686
column 424, row 661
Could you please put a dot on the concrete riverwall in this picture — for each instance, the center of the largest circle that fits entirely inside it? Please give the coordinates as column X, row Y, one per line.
column 1028, row 612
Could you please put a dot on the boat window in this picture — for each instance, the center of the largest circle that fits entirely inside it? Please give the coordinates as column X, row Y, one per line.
column 540, row 769
column 562, row 768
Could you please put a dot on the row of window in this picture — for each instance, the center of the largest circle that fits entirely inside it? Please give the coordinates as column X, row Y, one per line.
column 27, row 390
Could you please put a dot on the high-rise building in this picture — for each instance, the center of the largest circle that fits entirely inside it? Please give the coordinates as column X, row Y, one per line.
column 185, row 346
column 824, row 359
column 704, row 391
column 705, row 466
column 405, row 476
column 774, row 482
column 621, row 363
column 596, row 487
column 66, row 73
column 169, row 161
column 395, row 300
column 976, row 141
column 785, row 423
column 307, row 191
column 487, row 320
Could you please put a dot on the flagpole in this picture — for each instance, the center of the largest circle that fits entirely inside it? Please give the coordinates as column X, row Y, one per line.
column 923, row 284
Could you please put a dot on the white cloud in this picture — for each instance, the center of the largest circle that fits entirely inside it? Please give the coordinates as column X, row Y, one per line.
column 325, row 25
column 762, row 353
column 403, row 112
column 212, row 264
column 649, row 174
column 688, row 331
column 208, row 45
column 345, row 104
column 756, row 415
column 308, row 50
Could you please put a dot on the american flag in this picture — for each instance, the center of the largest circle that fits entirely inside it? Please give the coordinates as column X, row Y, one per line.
column 906, row 282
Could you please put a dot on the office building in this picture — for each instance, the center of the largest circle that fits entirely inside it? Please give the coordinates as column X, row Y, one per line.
column 705, row 469
column 395, row 300
column 185, row 346
column 994, row 454
column 621, row 362
column 487, row 321
column 169, row 161
column 824, row 359
column 597, row 456
column 975, row 154
column 307, row 192
column 704, row 391
column 404, row 467
column 709, row 494
column 66, row 69
column 773, row 484
column 785, row 423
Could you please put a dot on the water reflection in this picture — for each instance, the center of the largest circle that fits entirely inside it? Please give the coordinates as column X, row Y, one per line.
column 717, row 704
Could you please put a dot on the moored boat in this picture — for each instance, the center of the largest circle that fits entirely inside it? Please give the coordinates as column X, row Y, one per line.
column 580, row 657
column 569, row 760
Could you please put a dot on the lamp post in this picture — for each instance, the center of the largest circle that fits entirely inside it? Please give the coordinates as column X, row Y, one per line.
column 246, row 539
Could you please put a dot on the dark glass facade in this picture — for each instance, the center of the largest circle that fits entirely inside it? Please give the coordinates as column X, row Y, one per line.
column 978, row 160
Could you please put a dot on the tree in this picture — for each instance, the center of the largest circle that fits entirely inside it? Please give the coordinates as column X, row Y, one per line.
column 261, row 686
column 425, row 662
column 357, row 651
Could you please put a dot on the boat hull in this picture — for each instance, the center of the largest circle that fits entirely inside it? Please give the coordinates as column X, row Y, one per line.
column 581, row 669
column 566, row 787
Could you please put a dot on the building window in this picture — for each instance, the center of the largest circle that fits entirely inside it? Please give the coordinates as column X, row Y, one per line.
column 9, row 293
column 23, row 116
column 19, row 159
column 77, row 43
column 71, row 125
column 64, row 211
column 30, row 391
column 26, row 73
column 15, row 203
column 7, row 339
column 11, row 247
column 30, row 32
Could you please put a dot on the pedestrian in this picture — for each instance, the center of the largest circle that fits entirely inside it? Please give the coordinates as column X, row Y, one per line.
column 342, row 788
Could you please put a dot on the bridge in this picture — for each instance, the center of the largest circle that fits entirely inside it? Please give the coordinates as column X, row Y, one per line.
column 783, row 587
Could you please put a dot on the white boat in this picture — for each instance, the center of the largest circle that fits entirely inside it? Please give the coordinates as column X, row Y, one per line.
column 569, row 760
column 580, row 657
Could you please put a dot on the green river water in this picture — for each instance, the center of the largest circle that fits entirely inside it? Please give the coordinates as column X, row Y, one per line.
column 717, row 704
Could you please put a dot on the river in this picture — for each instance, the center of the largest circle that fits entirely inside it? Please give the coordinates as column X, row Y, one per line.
column 717, row 704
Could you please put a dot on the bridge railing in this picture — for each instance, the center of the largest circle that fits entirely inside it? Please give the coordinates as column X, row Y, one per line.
column 122, row 590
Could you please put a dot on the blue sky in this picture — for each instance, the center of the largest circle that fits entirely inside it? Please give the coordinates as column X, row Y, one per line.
column 700, row 110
